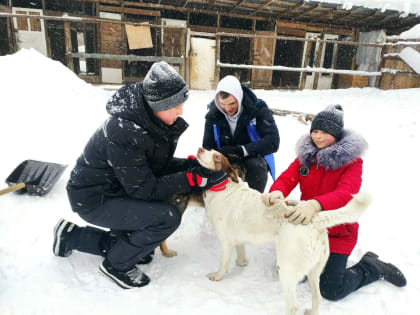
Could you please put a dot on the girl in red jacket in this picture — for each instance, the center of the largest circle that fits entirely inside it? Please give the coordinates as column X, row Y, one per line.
column 328, row 169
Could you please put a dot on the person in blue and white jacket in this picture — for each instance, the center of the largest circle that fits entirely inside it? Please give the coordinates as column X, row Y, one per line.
column 232, row 110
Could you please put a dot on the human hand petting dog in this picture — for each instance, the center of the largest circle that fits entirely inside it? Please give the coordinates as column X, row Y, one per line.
column 235, row 150
column 303, row 211
column 207, row 179
column 192, row 161
column 270, row 199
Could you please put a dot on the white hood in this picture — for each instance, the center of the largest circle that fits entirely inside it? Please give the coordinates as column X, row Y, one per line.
column 231, row 85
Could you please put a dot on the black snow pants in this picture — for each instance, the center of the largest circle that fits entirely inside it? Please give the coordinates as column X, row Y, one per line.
column 337, row 281
column 256, row 172
column 136, row 228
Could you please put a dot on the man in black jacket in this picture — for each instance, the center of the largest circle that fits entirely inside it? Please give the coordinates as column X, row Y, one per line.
column 126, row 174
column 233, row 112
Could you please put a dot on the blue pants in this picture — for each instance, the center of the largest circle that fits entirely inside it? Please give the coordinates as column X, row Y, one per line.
column 137, row 228
column 337, row 281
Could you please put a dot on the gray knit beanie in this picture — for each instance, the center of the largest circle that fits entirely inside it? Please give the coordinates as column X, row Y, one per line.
column 330, row 120
column 163, row 87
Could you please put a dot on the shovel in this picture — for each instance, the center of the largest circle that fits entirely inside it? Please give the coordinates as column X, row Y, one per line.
column 34, row 177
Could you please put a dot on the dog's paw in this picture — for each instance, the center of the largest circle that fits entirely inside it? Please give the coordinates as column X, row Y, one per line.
column 213, row 276
column 170, row 253
column 241, row 262
column 309, row 312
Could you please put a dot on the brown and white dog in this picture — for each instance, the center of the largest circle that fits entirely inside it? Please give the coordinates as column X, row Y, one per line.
column 182, row 201
column 240, row 216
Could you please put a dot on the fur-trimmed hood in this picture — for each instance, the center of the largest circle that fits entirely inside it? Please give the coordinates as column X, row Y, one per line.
column 346, row 150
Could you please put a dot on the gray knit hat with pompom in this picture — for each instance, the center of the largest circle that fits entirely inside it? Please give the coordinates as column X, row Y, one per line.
column 163, row 87
column 330, row 120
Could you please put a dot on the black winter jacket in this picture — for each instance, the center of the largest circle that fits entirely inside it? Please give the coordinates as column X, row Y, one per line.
column 131, row 154
column 266, row 127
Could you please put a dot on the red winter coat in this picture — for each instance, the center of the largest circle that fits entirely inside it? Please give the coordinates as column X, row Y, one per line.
column 334, row 176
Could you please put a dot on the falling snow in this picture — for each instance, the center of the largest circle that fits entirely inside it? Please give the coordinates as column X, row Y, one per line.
column 57, row 113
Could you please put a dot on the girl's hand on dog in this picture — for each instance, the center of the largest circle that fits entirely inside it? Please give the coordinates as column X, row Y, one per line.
column 303, row 212
column 270, row 199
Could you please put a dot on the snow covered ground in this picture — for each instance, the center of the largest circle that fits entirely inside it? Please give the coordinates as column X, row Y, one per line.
column 47, row 113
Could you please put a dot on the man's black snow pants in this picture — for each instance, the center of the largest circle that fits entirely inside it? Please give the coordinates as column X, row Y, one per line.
column 337, row 281
column 136, row 228
column 256, row 172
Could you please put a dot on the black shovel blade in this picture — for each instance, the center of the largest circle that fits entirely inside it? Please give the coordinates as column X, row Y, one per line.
column 39, row 177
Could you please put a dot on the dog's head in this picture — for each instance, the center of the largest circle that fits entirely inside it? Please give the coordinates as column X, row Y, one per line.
column 216, row 161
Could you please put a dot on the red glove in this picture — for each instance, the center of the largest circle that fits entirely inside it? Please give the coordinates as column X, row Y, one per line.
column 207, row 179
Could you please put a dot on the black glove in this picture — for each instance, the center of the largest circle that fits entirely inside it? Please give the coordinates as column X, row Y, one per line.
column 192, row 162
column 207, row 179
column 235, row 150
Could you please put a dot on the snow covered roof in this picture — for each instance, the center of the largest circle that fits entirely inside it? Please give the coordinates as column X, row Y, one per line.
column 404, row 6
column 394, row 16
column 413, row 33
column 367, row 14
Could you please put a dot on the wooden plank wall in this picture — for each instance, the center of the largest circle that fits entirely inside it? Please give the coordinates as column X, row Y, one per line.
column 111, row 43
column 404, row 79
column 400, row 81
column 264, row 51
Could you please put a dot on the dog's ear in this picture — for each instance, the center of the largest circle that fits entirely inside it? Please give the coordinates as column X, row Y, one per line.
column 226, row 166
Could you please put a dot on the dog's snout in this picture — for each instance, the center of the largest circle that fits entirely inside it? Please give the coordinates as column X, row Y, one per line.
column 200, row 150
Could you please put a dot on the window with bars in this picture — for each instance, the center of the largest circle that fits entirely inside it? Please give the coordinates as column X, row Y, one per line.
column 32, row 24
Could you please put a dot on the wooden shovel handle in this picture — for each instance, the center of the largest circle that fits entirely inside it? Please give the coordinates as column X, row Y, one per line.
column 12, row 188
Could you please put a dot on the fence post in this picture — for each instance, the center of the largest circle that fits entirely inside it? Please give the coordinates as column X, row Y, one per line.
column 217, row 68
column 305, row 64
column 318, row 62
column 378, row 81
column 67, row 35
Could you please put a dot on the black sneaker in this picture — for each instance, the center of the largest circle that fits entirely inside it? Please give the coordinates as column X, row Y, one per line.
column 62, row 235
column 146, row 259
column 133, row 278
column 386, row 271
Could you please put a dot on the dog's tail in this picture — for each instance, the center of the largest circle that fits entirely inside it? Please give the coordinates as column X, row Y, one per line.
column 347, row 214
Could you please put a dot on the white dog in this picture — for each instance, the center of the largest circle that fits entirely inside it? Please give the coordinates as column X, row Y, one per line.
column 240, row 216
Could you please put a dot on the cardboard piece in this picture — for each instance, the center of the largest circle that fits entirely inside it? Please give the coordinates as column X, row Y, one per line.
column 138, row 36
